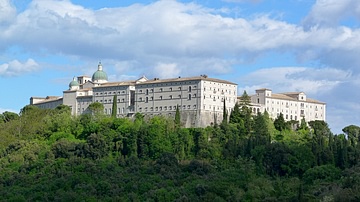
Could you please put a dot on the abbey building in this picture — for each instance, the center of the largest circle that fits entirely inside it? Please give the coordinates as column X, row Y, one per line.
column 200, row 99
column 293, row 105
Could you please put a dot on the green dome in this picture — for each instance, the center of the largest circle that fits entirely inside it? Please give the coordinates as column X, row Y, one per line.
column 99, row 75
column 73, row 83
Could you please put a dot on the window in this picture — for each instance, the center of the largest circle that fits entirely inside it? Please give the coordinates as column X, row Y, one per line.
column 188, row 106
column 160, row 108
column 147, row 92
column 151, row 98
column 160, row 97
column 123, row 100
column 170, row 89
column 179, row 88
column 161, row 90
column 146, row 99
column 140, row 91
column 165, row 108
column 189, row 97
column 194, row 95
column 170, row 97
column 140, row 99
column 156, row 108
column 189, row 88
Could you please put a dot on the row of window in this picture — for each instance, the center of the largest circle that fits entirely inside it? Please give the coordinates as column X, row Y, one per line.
column 147, row 99
column 166, row 108
column 215, row 90
column 147, row 91
column 302, row 105
column 109, row 100
column 110, row 93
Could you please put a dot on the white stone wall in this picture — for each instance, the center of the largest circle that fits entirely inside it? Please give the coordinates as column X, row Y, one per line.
column 291, row 109
column 69, row 99
column 51, row 104
column 105, row 95
column 163, row 98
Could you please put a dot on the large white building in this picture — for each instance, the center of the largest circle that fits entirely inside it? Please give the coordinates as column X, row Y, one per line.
column 293, row 105
column 200, row 99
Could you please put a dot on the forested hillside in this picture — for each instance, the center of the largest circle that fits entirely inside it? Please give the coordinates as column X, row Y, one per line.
column 49, row 155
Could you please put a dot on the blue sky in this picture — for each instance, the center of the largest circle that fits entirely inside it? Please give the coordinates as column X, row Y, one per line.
column 293, row 45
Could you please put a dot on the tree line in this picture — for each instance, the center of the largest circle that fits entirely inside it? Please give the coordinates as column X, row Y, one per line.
column 49, row 155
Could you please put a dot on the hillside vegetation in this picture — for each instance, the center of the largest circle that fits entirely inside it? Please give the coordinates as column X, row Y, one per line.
column 49, row 155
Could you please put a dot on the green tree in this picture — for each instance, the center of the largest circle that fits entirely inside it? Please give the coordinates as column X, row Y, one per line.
column 96, row 108
column 303, row 125
column 353, row 134
column 114, row 107
column 225, row 113
column 235, row 115
column 245, row 112
column 280, row 123
column 177, row 117
column 9, row 116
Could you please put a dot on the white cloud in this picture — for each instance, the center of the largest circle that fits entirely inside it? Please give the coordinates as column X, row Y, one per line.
column 196, row 38
column 16, row 68
column 7, row 12
column 284, row 79
column 241, row 1
column 167, row 70
column 332, row 12
column 7, row 110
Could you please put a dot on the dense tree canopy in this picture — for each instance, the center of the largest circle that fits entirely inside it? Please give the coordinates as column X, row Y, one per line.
column 49, row 155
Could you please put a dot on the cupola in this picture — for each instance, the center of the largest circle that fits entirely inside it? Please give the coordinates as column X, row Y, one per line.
column 74, row 84
column 99, row 76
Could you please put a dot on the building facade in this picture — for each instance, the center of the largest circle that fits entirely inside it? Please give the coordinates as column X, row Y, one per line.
column 200, row 99
column 293, row 105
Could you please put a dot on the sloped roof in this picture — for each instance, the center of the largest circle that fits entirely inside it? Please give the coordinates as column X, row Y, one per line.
column 179, row 79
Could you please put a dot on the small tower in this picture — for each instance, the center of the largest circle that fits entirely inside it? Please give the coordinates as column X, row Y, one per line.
column 74, row 84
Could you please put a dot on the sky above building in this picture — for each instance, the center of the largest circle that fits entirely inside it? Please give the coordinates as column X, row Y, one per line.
column 294, row 45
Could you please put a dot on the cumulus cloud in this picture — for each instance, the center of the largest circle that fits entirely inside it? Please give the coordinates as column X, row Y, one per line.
column 196, row 38
column 167, row 70
column 7, row 12
column 241, row 1
column 282, row 79
column 332, row 12
column 16, row 68
column 7, row 110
